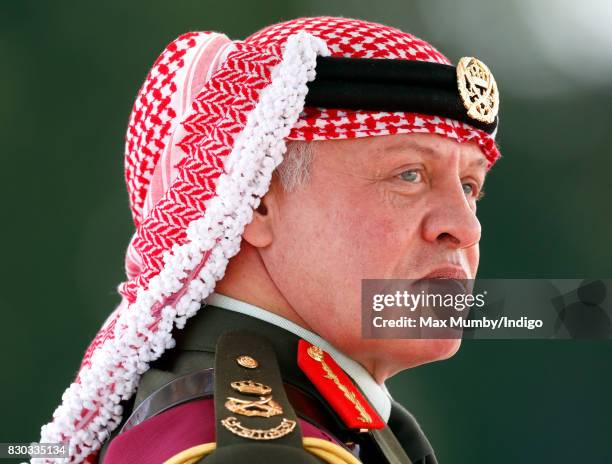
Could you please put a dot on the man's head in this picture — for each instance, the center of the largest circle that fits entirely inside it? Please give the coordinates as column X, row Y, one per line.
column 390, row 192
column 398, row 206
column 376, row 195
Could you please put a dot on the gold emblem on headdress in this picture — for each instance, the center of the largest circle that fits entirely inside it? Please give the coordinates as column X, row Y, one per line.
column 478, row 89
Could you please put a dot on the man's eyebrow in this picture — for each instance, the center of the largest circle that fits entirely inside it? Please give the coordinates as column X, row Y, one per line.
column 409, row 145
column 480, row 162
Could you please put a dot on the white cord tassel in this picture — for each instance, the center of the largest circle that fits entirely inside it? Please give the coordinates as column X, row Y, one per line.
column 257, row 151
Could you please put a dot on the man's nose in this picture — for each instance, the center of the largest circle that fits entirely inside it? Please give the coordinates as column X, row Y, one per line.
column 451, row 220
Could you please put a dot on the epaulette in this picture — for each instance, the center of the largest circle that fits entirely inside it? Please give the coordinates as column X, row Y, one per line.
column 254, row 420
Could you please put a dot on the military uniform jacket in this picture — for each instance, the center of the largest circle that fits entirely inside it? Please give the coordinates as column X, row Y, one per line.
column 232, row 390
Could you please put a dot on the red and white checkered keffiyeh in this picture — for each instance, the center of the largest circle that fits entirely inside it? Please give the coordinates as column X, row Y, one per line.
column 207, row 130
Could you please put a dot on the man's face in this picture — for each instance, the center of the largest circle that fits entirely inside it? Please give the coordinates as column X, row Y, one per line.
column 389, row 207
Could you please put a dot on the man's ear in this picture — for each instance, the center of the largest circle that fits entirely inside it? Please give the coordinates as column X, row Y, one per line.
column 260, row 232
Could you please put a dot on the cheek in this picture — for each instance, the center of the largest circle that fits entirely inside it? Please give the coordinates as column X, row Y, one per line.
column 369, row 237
column 375, row 235
column 377, row 227
column 377, row 238
column 386, row 236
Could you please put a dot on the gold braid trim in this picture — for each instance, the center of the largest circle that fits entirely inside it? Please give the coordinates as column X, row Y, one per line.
column 325, row 450
column 349, row 395
column 318, row 355
column 193, row 454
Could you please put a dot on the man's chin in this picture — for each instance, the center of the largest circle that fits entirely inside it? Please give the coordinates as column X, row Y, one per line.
column 406, row 354
column 443, row 348
column 392, row 356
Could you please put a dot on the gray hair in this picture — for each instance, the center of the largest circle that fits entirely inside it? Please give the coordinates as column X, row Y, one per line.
column 294, row 171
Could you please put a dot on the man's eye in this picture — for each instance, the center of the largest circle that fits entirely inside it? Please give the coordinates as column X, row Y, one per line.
column 412, row 175
column 471, row 190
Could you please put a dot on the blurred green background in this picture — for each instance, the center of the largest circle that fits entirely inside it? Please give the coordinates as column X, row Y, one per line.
column 69, row 73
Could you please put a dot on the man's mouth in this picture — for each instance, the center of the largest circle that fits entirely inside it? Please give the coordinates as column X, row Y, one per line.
column 446, row 272
column 452, row 279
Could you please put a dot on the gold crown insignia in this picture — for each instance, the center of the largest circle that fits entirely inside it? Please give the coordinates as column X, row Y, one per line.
column 249, row 387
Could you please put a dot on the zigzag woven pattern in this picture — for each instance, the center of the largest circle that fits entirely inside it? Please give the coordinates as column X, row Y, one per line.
column 219, row 113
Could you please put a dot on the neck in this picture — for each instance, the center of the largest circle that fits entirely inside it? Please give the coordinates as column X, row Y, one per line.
column 247, row 279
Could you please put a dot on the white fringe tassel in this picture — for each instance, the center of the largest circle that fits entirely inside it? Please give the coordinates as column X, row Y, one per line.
column 258, row 150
